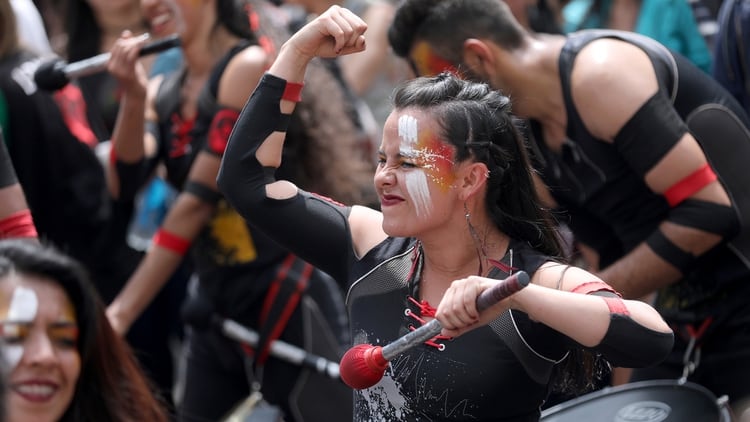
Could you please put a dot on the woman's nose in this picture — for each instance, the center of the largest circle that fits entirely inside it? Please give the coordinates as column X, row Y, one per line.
column 39, row 349
column 384, row 176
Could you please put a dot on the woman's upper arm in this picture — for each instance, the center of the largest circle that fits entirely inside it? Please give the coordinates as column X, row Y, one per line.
column 366, row 225
column 241, row 76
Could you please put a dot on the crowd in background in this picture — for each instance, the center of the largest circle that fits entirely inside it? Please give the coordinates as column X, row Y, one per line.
column 116, row 172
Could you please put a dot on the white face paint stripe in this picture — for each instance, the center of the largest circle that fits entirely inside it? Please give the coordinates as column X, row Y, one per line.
column 407, row 130
column 23, row 305
column 23, row 309
column 416, row 180
column 416, row 185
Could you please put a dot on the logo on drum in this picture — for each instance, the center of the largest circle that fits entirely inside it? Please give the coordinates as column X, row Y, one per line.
column 643, row 411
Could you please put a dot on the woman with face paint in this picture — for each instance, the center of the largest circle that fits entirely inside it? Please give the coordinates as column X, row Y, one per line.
column 65, row 363
column 459, row 212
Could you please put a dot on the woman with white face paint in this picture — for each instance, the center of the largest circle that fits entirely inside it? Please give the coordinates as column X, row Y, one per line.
column 63, row 360
column 458, row 213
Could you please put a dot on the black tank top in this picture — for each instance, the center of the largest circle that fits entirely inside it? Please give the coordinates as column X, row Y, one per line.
column 507, row 361
column 234, row 262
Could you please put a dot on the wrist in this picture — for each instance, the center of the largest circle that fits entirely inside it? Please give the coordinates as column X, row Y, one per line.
column 290, row 64
column 118, row 316
column 518, row 301
column 134, row 95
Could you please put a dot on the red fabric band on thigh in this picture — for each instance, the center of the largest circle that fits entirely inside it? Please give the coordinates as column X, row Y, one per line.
column 690, row 185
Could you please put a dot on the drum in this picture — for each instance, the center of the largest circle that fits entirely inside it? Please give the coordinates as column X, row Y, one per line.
column 644, row 401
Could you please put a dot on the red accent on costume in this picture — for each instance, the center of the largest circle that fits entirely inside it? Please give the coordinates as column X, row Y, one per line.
column 615, row 304
column 267, row 45
column 327, row 199
column 594, row 286
column 18, row 224
column 293, row 92
column 289, row 307
column 221, row 127
column 171, row 241
column 72, row 106
column 182, row 139
column 689, row 185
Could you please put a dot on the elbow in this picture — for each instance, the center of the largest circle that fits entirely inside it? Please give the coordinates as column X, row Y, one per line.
column 631, row 345
column 192, row 209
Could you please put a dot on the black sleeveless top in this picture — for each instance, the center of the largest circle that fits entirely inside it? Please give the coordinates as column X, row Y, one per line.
column 507, row 361
column 235, row 263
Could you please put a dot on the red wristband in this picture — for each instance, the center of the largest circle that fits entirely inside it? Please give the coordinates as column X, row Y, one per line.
column 293, row 92
column 171, row 241
column 18, row 224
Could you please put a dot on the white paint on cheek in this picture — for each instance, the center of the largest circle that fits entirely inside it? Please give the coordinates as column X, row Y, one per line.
column 416, row 180
column 23, row 309
column 12, row 354
column 416, row 185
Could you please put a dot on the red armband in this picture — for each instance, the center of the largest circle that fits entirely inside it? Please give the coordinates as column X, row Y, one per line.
column 594, row 286
column 18, row 224
column 689, row 185
column 112, row 155
column 221, row 127
column 171, row 241
column 293, row 92
column 615, row 304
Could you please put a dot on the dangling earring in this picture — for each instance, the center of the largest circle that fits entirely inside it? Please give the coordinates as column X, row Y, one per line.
column 477, row 241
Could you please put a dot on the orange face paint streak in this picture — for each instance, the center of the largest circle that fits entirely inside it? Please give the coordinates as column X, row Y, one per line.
column 427, row 63
column 436, row 158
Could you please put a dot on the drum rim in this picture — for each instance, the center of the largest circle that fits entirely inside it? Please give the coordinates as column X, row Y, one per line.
column 589, row 397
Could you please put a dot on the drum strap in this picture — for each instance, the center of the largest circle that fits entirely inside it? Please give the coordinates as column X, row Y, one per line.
column 693, row 335
column 281, row 300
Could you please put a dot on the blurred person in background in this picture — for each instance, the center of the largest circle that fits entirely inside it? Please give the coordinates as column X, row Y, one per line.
column 182, row 121
column 65, row 363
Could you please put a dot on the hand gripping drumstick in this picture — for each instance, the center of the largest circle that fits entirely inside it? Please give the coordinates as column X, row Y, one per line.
column 363, row 365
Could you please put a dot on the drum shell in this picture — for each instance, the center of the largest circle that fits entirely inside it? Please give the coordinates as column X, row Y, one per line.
column 645, row 401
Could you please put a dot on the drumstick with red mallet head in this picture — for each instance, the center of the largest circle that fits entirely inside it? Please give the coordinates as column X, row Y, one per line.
column 364, row 365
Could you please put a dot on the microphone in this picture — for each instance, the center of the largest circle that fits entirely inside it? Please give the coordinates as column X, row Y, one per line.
column 55, row 74
column 198, row 312
column 364, row 365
